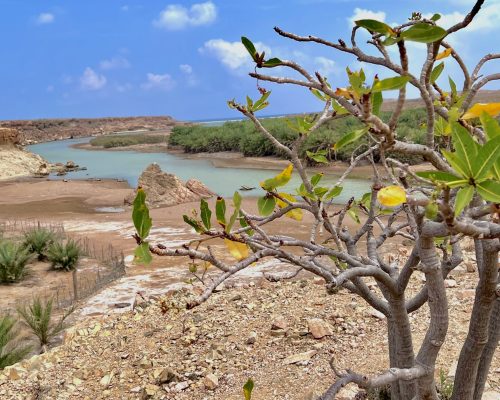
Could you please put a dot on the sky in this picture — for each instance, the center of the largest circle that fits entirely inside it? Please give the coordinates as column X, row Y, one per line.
column 98, row 58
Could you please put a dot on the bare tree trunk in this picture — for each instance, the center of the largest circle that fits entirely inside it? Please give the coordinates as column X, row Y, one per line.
column 488, row 351
column 477, row 338
column 401, row 353
column 438, row 327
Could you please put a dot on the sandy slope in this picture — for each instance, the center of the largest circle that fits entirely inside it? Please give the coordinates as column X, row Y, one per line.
column 15, row 162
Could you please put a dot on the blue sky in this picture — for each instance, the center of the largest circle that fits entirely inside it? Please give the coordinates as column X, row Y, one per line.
column 97, row 58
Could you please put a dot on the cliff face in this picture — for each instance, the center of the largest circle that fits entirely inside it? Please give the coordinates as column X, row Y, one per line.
column 44, row 130
column 15, row 162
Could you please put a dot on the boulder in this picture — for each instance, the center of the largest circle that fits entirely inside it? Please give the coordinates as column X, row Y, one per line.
column 199, row 188
column 164, row 189
column 319, row 328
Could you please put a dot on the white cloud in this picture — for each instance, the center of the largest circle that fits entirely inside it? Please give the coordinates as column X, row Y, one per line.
column 361, row 13
column 189, row 76
column 125, row 8
column 487, row 19
column 45, row 18
column 176, row 16
column 115, row 63
column 232, row 54
column 326, row 66
column 158, row 81
column 91, row 80
column 122, row 88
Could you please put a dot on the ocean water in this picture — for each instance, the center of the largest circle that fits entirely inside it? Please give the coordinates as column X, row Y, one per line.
column 128, row 165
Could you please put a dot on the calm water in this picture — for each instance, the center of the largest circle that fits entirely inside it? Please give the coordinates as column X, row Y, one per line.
column 128, row 165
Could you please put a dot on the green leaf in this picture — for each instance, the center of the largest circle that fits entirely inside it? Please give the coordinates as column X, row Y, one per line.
column 316, row 178
column 259, row 103
column 236, row 212
column 244, row 224
column 486, row 157
column 436, row 72
column 272, row 62
column 453, row 87
column 489, row 190
column 436, row 17
column 349, row 138
column 338, row 108
column 320, row 191
column 423, row 33
column 249, row 46
column 466, row 148
column 490, row 125
column 319, row 158
column 439, row 176
column 394, row 83
column 266, row 205
column 334, row 192
column 377, row 100
column 142, row 255
column 220, row 211
column 140, row 215
column 375, row 26
column 353, row 213
column 464, row 197
column 391, row 40
column 206, row 214
column 247, row 389
column 318, row 94
column 456, row 163
column 195, row 224
column 249, row 104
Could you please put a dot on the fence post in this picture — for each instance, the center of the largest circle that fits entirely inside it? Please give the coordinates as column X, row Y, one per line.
column 75, row 284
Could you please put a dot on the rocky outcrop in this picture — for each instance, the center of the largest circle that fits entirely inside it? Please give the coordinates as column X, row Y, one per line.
column 164, row 189
column 15, row 162
column 44, row 130
column 9, row 136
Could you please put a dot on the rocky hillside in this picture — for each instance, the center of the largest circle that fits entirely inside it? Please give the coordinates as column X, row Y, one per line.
column 15, row 162
column 43, row 130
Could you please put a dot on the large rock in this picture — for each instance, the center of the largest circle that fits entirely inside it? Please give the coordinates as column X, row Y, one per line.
column 164, row 189
column 9, row 136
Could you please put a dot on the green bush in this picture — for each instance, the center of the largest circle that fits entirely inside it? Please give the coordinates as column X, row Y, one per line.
column 38, row 240
column 38, row 317
column 126, row 140
column 242, row 136
column 11, row 349
column 64, row 255
column 13, row 260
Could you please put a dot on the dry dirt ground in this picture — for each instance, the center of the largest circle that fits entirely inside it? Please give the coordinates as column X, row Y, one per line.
column 163, row 351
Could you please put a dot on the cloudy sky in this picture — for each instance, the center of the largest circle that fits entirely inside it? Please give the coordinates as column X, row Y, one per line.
column 183, row 58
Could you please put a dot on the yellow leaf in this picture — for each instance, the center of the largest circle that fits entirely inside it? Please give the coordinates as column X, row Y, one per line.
column 296, row 213
column 493, row 109
column 279, row 180
column 238, row 250
column 391, row 196
column 344, row 93
column 444, row 54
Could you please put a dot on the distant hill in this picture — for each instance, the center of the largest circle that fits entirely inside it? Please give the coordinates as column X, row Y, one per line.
column 43, row 130
column 484, row 96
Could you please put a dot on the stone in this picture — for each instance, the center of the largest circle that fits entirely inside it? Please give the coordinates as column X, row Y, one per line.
column 252, row 338
column 375, row 313
column 466, row 294
column 319, row 328
column 168, row 375
column 164, row 189
column 300, row 357
column 71, row 165
column 450, row 283
column 491, row 395
column 10, row 136
column 211, row 381
column 279, row 323
column 181, row 386
column 470, row 266
column 199, row 188
column 106, row 379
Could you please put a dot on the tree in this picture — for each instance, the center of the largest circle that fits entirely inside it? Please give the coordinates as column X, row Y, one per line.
column 436, row 210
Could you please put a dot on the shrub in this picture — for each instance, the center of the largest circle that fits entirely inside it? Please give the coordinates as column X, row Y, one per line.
column 11, row 349
column 126, row 140
column 64, row 255
column 38, row 317
column 13, row 260
column 38, row 240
